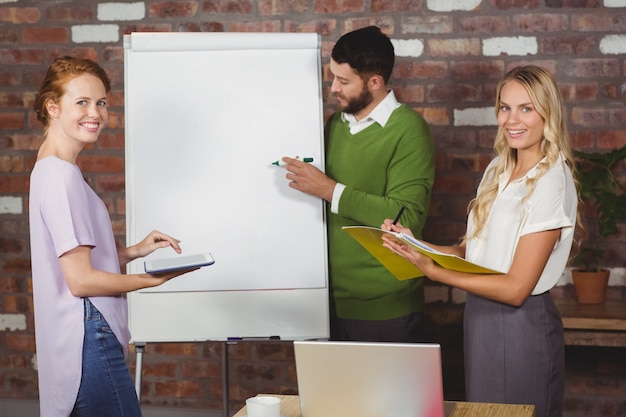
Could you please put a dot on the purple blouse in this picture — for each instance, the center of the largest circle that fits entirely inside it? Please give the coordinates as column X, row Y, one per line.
column 66, row 213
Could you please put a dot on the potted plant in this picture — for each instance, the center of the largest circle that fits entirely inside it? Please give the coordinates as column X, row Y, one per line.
column 599, row 189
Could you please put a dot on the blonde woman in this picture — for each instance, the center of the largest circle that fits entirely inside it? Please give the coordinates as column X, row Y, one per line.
column 522, row 223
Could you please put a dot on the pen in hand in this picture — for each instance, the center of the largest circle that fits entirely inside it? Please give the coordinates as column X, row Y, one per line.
column 395, row 221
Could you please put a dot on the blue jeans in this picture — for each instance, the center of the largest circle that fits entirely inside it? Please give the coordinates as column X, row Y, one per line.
column 106, row 387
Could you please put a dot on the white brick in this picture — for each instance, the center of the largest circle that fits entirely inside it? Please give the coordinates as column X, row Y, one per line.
column 451, row 5
column 121, row 11
column 12, row 322
column 436, row 293
column 10, row 205
column 458, row 296
column 613, row 45
column 8, row 1
column 512, row 46
column 614, row 3
column 95, row 33
column 484, row 116
column 408, row 47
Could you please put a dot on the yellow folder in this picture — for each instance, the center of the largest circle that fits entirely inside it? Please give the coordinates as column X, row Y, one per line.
column 371, row 239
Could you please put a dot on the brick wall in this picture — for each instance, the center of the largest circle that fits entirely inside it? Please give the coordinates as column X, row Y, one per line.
column 450, row 57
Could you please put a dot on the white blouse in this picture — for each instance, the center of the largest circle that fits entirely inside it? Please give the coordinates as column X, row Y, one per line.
column 552, row 205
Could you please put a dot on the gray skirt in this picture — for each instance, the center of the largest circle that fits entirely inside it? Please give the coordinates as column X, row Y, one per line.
column 515, row 355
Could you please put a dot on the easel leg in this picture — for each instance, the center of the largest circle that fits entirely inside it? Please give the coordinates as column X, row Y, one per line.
column 225, row 378
column 139, row 348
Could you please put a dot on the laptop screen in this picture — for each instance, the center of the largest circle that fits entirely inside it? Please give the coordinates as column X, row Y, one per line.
column 363, row 379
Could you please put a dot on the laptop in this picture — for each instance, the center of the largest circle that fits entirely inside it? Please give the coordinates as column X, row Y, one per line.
column 366, row 379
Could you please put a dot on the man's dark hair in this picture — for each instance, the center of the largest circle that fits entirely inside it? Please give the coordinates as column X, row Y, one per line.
column 367, row 50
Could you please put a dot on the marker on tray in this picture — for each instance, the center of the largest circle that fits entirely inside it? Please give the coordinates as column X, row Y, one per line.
column 280, row 162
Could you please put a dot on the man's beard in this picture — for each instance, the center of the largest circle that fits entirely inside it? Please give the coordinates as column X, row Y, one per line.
column 355, row 105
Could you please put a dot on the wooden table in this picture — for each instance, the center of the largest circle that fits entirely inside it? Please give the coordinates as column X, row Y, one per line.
column 290, row 407
column 593, row 324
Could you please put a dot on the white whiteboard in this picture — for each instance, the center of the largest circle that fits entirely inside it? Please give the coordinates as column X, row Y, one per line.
column 205, row 115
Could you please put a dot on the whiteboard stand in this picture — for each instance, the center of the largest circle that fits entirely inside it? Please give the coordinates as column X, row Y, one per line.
column 225, row 378
column 139, row 348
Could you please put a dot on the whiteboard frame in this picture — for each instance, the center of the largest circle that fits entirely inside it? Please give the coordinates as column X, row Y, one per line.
column 223, row 314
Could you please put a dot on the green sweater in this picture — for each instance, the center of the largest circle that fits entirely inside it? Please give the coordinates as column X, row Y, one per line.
column 383, row 169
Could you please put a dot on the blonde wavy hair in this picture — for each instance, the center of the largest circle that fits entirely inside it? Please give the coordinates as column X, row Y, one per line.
column 547, row 101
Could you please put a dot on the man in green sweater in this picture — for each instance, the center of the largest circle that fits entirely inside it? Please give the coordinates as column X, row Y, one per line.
column 379, row 158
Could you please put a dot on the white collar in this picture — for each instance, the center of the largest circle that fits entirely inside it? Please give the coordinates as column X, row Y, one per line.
column 380, row 114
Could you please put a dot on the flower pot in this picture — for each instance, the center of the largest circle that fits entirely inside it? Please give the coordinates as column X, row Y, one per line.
column 590, row 287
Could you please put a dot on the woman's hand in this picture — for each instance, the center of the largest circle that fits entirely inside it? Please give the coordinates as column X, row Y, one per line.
column 155, row 240
column 421, row 262
column 398, row 228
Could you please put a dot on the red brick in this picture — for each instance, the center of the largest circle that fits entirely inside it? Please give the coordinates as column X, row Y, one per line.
column 22, row 383
column 20, row 341
column 11, row 163
column 22, row 56
column 172, row 9
column 339, row 6
column 381, row 6
column 200, row 369
column 9, row 78
column 18, row 304
column 100, row 163
column 593, row 68
column 614, row 91
column 386, row 24
column 420, row 70
column 201, row 27
column 8, row 36
column 9, row 284
column 174, row 348
column 435, row 116
column 228, row 6
column 160, row 368
column 17, row 265
column 538, row 22
column 598, row 117
column 324, row 27
column 272, row 8
column 45, row 35
column 473, row 70
column 70, row 14
column 579, row 92
column 454, row 93
column 109, row 183
column 558, row 45
column 423, row 24
column 252, row 26
column 611, row 139
column 111, row 139
column 17, row 15
column 113, row 55
column 599, row 21
column 515, row 4
column 178, row 389
column 11, row 121
column 484, row 24
column 582, row 139
column 162, row 27
column 409, row 93
column 454, row 184
column 11, row 245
